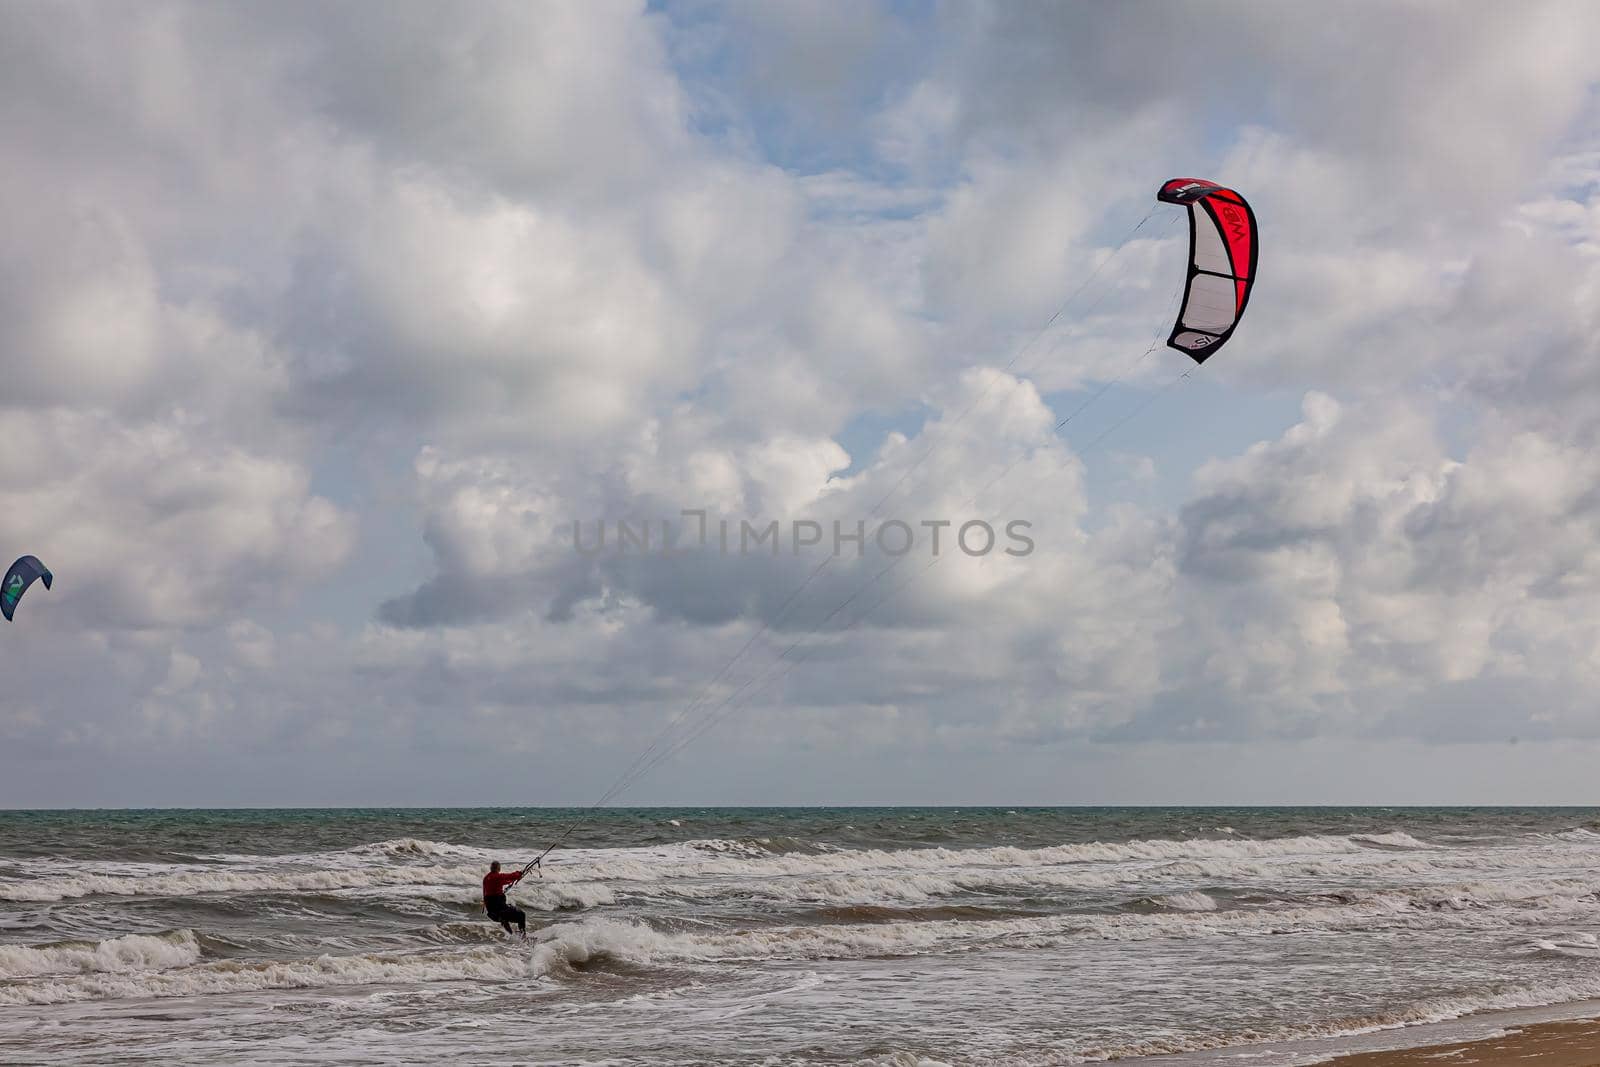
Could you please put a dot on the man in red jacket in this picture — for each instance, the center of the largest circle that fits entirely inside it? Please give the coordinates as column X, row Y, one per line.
column 494, row 899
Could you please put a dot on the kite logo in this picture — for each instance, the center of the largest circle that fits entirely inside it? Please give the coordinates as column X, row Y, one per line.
column 1235, row 222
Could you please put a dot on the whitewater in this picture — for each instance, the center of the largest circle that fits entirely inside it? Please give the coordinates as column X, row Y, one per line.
column 789, row 936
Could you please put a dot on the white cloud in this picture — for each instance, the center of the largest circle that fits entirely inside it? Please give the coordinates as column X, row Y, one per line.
column 157, row 524
column 600, row 261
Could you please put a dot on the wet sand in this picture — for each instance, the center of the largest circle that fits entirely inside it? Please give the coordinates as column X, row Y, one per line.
column 1556, row 1044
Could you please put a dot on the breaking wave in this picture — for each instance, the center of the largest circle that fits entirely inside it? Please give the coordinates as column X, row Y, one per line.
column 117, row 955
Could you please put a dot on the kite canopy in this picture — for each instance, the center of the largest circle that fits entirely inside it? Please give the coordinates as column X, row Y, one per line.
column 1222, row 264
column 18, row 578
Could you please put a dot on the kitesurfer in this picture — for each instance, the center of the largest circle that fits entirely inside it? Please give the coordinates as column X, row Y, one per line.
column 495, row 885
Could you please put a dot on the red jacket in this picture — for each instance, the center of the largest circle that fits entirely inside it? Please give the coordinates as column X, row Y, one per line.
column 494, row 885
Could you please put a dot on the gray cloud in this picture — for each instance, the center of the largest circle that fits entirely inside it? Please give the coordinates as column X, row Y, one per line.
column 604, row 261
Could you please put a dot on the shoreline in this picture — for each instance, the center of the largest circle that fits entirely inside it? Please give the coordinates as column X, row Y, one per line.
column 1558, row 1043
column 1566, row 1035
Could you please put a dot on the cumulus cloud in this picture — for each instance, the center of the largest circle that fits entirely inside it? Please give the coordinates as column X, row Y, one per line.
column 298, row 292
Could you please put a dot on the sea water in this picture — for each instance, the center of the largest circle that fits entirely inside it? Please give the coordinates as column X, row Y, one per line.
column 780, row 936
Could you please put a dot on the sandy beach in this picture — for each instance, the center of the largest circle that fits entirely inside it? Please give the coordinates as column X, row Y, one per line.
column 1570, row 1043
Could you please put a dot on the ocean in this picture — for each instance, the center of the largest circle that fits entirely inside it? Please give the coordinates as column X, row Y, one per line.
column 897, row 937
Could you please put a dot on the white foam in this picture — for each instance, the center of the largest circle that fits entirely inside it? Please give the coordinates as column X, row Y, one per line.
column 133, row 952
column 1392, row 839
column 395, row 848
column 901, row 1059
column 1580, row 945
column 1427, row 1010
column 1192, row 901
column 197, row 880
column 498, row 963
column 647, row 865
column 535, row 895
column 710, row 869
column 452, row 883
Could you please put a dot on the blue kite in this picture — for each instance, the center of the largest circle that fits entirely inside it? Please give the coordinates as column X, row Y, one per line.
column 22, row 574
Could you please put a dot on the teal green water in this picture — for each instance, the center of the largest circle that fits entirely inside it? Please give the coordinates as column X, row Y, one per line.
column 164, row 834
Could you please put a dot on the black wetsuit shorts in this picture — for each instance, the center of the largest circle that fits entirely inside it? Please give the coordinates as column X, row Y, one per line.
column 503, row 913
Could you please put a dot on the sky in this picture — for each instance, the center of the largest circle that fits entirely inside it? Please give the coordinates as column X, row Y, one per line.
column 323, row 327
